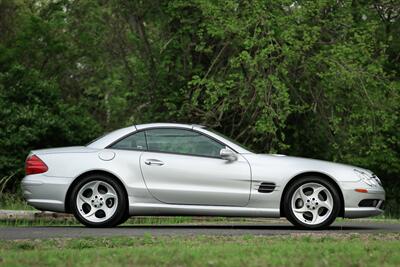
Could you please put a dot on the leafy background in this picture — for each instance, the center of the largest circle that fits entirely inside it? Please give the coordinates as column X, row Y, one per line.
column 317, row 79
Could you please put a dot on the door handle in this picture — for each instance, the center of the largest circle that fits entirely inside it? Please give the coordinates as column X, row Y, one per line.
column 155, row 162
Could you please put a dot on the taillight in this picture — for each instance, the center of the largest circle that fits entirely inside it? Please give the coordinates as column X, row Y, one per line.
column 35, row 165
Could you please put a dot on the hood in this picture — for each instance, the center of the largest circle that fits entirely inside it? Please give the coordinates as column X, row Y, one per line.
column 307, row 161
column 289, row 166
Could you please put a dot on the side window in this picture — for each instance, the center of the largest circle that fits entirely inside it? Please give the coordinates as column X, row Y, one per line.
column 182, row 142
column 135, row 141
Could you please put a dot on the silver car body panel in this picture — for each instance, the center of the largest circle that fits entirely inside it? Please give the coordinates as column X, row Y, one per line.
column 189, row 185
column 194, row 180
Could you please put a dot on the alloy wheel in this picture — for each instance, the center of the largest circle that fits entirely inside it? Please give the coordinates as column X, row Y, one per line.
column 312, row 203
column 97, row 201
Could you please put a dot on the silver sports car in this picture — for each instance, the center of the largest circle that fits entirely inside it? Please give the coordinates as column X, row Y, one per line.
column 179, row 169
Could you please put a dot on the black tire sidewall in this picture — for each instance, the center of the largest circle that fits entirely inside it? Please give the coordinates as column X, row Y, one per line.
column 121, row 209
column 311, row 179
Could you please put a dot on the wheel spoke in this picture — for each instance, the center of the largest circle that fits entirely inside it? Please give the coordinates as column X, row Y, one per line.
column 91, row 212
column 108, row 211
column 302, row 195
column 95, row 187
column 317, row 191
column 109, row 195
column 315, row 216
column 84, row 199
column 300, row 210
column 325, row 204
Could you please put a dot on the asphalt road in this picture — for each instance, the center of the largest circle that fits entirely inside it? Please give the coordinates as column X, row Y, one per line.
column 10, row 233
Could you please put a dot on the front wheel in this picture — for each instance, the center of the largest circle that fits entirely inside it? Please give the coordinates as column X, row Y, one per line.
column 312, row 203
column 99, row 201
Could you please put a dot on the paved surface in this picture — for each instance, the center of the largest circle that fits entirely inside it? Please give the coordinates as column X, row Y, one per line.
column 226, row 229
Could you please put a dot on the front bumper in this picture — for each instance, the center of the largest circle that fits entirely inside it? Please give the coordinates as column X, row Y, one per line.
column 45, row 192
column 353, row 198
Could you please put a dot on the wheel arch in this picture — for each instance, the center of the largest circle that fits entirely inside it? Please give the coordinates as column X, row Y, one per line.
column 92, row 172
column 317, row 174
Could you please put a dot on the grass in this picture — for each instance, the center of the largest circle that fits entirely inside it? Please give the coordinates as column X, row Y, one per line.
column 10, row 201
column 294, row 250
column 37, row 222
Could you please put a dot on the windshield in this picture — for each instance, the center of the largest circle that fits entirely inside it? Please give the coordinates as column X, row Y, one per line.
column 230, row 139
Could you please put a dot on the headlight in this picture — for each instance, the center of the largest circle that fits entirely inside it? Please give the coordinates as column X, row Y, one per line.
column 369, row 179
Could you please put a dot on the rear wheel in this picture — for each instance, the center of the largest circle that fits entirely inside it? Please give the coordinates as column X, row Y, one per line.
column 312, row 203
column 99, row 201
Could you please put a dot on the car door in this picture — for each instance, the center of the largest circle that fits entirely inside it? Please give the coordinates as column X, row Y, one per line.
column 182, row 166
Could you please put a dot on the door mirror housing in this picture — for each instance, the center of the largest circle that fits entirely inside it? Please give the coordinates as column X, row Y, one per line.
column 228, row 154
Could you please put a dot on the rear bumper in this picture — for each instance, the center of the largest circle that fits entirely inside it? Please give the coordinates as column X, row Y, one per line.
column 352, row 200
column 44, row 192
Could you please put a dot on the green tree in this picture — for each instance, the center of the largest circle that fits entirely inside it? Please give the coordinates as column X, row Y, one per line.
column 307, row 78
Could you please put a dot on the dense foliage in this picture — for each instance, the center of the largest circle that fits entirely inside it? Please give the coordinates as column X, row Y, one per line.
column 317, row 79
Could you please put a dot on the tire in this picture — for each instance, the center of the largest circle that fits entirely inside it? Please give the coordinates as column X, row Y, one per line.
column 124, row 218
column 316, row 208
column 99, row 201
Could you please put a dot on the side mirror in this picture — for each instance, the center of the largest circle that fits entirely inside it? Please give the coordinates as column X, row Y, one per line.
column 227, row 154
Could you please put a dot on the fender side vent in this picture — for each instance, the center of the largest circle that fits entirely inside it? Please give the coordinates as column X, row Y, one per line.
column 266, row 187
column 369, row 203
